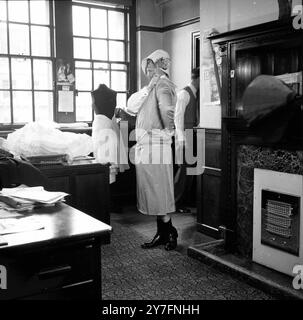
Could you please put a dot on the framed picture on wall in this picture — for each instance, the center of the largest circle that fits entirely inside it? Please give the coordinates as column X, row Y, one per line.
column 210, row 72
column 195, row 49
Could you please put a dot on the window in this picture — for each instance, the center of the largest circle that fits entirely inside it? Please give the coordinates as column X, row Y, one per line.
column 26, row 62
column 101, row 53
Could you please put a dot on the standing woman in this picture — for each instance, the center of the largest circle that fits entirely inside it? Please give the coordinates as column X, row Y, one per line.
column 154, row 106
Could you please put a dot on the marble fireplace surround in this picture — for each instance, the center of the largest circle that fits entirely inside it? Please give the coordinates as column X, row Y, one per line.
column 248, row 158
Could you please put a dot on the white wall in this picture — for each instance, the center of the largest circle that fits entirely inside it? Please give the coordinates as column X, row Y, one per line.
column 226, row 15
column 147, row 42
column 178, row 43
column 176, row 11
column 148, row 14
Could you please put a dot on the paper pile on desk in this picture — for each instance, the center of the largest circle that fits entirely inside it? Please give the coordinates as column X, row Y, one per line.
column 8, row 226
column 26, row 198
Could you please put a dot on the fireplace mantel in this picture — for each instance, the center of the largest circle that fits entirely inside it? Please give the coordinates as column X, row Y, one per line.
column 274, row 48
column 242, row 152
column 241, row 134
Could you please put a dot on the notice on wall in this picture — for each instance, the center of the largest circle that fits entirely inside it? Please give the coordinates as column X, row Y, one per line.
column 65, row 101
column 211, row 71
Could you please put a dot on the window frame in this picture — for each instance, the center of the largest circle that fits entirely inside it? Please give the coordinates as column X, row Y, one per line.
column 9, row 56
column 92, row 61
column 61, row 46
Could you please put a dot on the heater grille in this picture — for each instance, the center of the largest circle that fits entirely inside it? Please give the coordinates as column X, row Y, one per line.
column 280, row 221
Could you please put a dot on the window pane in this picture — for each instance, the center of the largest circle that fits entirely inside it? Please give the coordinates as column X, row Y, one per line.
column 18, row 11
column 2, row 10
column 81, row 48
column 84, row 106
column 44, row 106
column 118, row 81
column 39, row 11
column 82, row 64
column 21, row 74
column 116, row 25
column 80, row 21
column 4, row 73
column 121, row 100
column 83, row 79
column 99, row 23
column 18, row 39
column 118, row 66
column 101, row 76
column 22, row 101
column 116, row 51
column 99, row 48
column 3, row 37
column 5, row 113
column 40, row 41
column 43, row 74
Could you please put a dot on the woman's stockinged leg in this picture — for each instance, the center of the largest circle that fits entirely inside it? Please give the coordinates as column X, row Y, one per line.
column 166, row 234
column 170, row 233
column 159, row 238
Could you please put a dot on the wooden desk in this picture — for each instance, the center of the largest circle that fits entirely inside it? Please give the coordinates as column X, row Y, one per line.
column 86, row 181
column 61, row 261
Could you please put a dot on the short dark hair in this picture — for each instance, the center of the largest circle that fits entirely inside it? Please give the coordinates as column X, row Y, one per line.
column 195, row 73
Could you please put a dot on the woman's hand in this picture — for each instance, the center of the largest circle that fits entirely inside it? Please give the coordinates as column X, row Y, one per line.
column 153, row 82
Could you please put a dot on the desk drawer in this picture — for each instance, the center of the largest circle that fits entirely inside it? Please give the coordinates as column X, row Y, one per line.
column 85, row 290
column 40, row 271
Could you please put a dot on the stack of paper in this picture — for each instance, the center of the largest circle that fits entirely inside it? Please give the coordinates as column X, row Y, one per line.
column 10, row 203
column 8, row 226
column 26, row 198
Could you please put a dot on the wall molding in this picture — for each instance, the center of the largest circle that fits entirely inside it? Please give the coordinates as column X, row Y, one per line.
column 170, row 27
column 149, row 29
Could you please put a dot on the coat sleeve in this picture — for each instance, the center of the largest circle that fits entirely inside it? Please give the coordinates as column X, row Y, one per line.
column 136, row 100
column 166, row 100
column 182, row 102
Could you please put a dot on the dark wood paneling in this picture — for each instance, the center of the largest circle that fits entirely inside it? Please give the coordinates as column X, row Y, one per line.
column 213, row 148
column 269, row 48
column 209, row 184
column 208, row 214
column 91, row 194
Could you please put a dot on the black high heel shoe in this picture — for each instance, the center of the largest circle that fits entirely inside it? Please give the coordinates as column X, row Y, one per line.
column 159, row 238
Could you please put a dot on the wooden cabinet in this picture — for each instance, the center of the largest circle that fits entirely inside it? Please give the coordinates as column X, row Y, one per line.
column 209, row 185
column 61, row 261
column 86, row 182
column 274, row 48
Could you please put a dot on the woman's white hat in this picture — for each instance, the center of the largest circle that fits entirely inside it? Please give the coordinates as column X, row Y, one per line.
column 159, row 56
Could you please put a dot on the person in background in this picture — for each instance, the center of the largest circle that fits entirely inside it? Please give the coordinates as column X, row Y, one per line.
column 186, row 117
column 154, row 107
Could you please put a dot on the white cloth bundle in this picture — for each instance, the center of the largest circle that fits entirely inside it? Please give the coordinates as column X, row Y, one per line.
column 39, row 138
